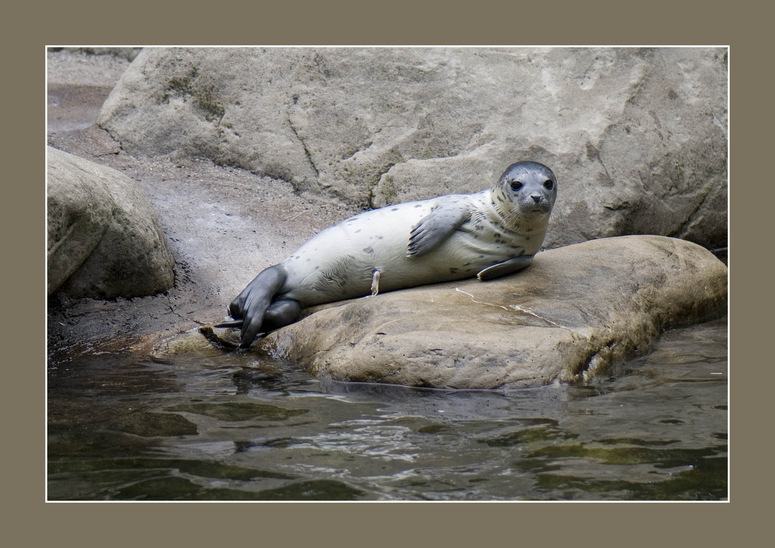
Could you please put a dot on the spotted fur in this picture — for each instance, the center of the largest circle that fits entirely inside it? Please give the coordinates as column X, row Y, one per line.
column 490, row 233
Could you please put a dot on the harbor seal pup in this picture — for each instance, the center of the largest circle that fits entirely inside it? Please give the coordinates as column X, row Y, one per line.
column 488, row 234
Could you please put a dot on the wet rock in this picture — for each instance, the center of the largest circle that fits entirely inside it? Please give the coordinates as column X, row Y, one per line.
column 637, row 136
column 570, row 315
column 238, row 411
column 104, row 238
column 155, row 424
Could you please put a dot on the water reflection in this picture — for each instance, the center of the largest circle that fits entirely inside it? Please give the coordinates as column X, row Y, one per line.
column 237, row 427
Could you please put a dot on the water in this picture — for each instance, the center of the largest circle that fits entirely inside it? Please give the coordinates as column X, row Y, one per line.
column 237, row 427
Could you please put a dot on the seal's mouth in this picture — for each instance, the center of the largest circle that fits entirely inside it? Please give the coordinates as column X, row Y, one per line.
column 543, row 207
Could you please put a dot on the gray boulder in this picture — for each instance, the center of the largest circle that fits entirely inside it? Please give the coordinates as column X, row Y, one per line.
column 104, row 238
column 637, row 137
column 569, row 316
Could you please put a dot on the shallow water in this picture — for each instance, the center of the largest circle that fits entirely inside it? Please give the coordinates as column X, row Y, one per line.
column 235, row 427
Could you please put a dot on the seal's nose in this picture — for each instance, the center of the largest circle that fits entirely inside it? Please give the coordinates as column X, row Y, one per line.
column 537, row 198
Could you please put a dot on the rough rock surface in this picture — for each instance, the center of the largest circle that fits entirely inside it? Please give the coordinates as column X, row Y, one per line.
column 636, row 136
column 224, row 224
column 227, row 222
column 104, row 238
column 567, row 317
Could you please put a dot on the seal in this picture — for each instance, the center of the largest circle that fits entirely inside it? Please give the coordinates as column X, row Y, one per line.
column 488, row 234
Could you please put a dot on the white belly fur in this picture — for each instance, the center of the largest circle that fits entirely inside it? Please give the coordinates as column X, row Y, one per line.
column 338, row 263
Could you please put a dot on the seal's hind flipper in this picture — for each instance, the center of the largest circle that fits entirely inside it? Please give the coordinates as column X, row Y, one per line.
column 251, row 305
column 445, row 217
column 281, row 313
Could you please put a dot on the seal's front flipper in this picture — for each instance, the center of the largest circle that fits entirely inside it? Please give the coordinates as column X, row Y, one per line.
column 506, row 267
column 445, row 217
column 251, row 305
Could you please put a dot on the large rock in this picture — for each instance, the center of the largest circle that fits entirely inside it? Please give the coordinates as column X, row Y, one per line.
column 567, row 317
column 637, row 137
column 104, row 238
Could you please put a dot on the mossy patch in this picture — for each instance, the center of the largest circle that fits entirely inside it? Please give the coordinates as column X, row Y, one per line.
column 155, row 424
column 190, row 87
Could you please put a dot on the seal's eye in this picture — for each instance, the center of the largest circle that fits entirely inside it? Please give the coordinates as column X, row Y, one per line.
column 516, row 185
column 548, row 184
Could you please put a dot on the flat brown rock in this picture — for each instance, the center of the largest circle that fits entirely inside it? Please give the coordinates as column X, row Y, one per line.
column 568, row 316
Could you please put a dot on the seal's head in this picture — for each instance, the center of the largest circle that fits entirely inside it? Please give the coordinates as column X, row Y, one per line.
column 525, row 192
